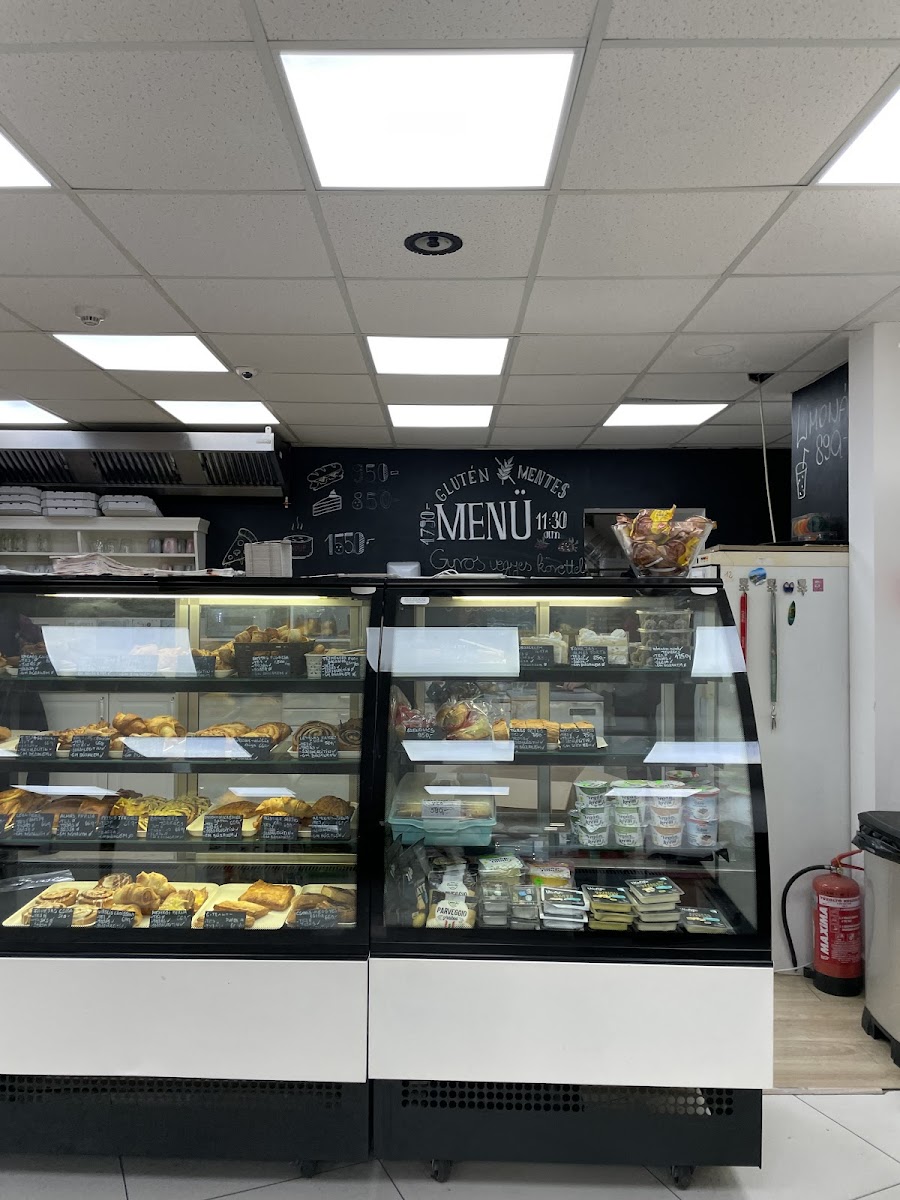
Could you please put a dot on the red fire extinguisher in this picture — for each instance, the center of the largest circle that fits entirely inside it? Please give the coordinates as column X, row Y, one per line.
column 837, row 932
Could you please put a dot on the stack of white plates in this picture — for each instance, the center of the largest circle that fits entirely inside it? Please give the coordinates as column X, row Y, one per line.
column 69, row 504
column 128, row 506
column 20, row 501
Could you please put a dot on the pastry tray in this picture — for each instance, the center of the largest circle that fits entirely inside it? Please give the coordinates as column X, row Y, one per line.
column 317, row 887
column 16, row 922
column 11, row 743
column 248, row 827
column 234, row 891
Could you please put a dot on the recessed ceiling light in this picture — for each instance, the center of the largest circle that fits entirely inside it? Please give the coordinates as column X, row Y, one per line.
column 23, row 412
column 143, row 352
column 438, row 355
column 440, row 416
column 15, row 169
column 663, row 414
column 720, row 350
column 219, row 412
column 430, row 119
column 874, row 154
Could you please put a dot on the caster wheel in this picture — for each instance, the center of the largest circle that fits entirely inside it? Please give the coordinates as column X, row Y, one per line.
column 440, row 1169
column 869, row 1026
column 309, row 1169
column 682, row 1176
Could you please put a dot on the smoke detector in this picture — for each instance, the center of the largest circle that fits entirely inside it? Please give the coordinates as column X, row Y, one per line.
column 91, row 317
column 432, row 241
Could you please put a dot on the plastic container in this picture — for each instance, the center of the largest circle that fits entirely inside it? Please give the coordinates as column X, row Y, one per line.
column 590, row 792
column 616, row 645
column 554, row 874
column 628, row 818
column 666, row 839
column 592, row 839
column 669, row 638
column 702, row 806
column 665, row 818
column 523, row 905
column 701, row 833
column 665, row 800
column 469, row 828
column 660, row 618
column 628, row 837
column 314, row 663
column 592, row 819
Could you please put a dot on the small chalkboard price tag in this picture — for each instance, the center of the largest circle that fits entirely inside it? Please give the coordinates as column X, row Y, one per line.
column 329, row 829
column 321, row 746
column 51, row 918
column 224, row 920
column 36, row 666
column 117, row 829
column 670, row 656
column 589, row 656
column 425, row 733
column 36, row 745
column 257, row 747
column 170, row 919
column 204, row 665
column 277, row 828
column 529, row 740
column 225, row 827
column 111, row 918
column 89, row 745
column 317, row 918
column 270, row 666
column 578, row 739
column 341, row 666
column 32, row 825
column 169, row 827
column 536, row 656
column 77, row 825
column 130, row 752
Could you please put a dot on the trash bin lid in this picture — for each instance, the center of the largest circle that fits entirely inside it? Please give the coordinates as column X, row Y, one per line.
column 879, row 833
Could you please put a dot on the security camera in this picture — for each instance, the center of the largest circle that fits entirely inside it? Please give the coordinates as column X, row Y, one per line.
column 246, row 372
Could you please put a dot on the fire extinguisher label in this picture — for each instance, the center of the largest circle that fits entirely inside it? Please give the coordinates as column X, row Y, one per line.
column 839, row 929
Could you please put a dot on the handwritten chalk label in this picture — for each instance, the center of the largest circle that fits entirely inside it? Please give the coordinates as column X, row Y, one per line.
column 270, row 666
column 224, row 827
column 442, row 810
column 77, row 825
column 321, row 746
column 167, row 827
column 425, row 733
column 257, row 747
column 589, row 656
column 536, row 656
column 341, row 666
column 51, row 918
column 89, row 745
column 36, row 745
column 36, row 666
column 277, row 828
column 130, row 752
column 329, row 829
column 117, row 829
column 204, row 666
column 670, row 656
column 111, row 918
column 167, row 919
column 578, row 739
column 530, row 740
column 224, row 920
column 32, row 825
column 317, row 918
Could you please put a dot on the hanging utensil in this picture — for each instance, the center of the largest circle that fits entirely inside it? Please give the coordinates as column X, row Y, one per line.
column 744, row 587
column 773, row 650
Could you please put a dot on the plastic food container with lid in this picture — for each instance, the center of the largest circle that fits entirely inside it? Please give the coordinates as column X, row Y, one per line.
column 666, row 839
column 590, row 792
column 702, row 806
column 443, row 819
column 701, row 833
column 593, row 819
column 667, row 638
column 592, row 839
column 665, row 818
column 658, row 618
column 549, row 874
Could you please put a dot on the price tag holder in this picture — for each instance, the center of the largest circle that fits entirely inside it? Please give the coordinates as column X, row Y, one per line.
column 77, row 825
column 170, row 920
column 323, row 747
column 536, row 656
column 529, row 740
column 672, row 657
column 110, row 918
column 589, row 656
column 270, row 666
column 341, row 666
column 430, row 733
column 578, row 739
column 227, row 828
column 33, row 825
column 36, row 745
column 257, row 747
column 117, row 829
column 316, row 918
column 277, row 828
column 329, row 829
column 51, row 918
column 36, row 666
column 224, row 920
column 169, row 827
column 89, row 745
column 442, row 810
column 205, row 665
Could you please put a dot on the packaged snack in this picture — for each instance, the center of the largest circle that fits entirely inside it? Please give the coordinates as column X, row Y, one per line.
column 493, row 897
column 659, row 891
column 464, row 720
column 523, row 902
column 656, row 544
column 550, row 874
column 608, row 899
column 659, row 618
column 450, row 912
column 500, row 867
column 562, row 900
column 681, row 638
column 570, row 923
column 704, row 920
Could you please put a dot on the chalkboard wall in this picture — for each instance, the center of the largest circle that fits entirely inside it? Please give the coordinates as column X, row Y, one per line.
column 819, row 450
column 516, row 511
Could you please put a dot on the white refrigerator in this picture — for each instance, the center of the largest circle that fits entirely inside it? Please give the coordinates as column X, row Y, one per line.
column 806, row 754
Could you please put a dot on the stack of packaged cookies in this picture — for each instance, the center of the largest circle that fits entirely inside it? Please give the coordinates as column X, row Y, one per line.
column 610, row 909
column 656, row 904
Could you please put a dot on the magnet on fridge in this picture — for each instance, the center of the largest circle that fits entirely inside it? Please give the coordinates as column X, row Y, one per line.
column 757, row 574
column 788, row 587
column 801, row 586
column 792, row 612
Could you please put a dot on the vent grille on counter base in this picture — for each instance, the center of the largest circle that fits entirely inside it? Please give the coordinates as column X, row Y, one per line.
column 34, row 1089
column 567, row 1098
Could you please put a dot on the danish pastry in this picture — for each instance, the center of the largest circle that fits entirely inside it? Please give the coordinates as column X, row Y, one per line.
column 271, row 895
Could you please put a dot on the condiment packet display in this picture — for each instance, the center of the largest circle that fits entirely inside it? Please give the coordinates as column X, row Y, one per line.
column 704, row 920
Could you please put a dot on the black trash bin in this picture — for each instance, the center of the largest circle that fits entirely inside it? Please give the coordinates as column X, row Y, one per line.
column 879, row 837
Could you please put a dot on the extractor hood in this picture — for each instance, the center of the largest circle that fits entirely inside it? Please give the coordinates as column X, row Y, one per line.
column 209, row 462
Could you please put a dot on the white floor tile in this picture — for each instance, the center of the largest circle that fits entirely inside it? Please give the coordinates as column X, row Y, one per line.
column 366, row 1181
column 806, row 1156
column 512, row 1181
column 60, row 1178
column 876, row 1119
column 174, row 1179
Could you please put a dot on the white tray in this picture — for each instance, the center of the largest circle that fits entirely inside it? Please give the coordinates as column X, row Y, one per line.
column 248, row 827
column 16, row 922
column 234, row 891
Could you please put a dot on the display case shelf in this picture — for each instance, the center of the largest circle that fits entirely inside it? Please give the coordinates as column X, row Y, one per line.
column 183, row 766
column 171, row 683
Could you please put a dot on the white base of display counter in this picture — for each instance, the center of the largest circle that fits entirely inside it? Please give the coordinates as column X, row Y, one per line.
column 566, row 1022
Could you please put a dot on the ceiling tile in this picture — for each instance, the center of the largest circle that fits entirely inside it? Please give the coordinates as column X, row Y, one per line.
column 623, row 437
column 538, row 439
column 718, row 116
column 53, row 237
column 123, row 21
column 339, row 354
column 261, row 305
column 658, row 233
column 550, row 390
column 132, row 305
column 150, row 119
column 887, row 310
column 791, row 302
column 569, row 415
column 348, row 415
column 453, row 307
column 442, row 438
column 743, row 351
column 787, row 382
column 338, row 435
column 696, row 386
column 225, row 235
column 109, row 412
column 612, row 305
column 405, row 20
column 186, row 385
column 549, row 355
column 36, row 352
column 499, row 233
column 9, row 323
column 761, row 19
column 62, row 385
column 833, row 353
column 734, row 435
column 438, row 389
column 319, row 389
column 746, row 412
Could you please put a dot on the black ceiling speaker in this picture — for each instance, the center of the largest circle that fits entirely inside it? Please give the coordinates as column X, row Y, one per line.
column 433, row 242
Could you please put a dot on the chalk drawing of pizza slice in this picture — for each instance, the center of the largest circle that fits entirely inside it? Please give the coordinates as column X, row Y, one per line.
column 325, row 476
column 235, row 552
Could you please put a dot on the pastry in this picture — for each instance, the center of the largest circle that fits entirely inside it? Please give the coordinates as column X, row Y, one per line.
column 143, row 897
column 115, row 881
column 245, row 906
column 338, row 895
column 177, row 903
column 271, row 895
column 235, row 808
column 5, row 733
column 332, row 806
column 274, row 804
column 233, row 730
column 98, row 896
column 129, row 723
column 275, row 731
column 500, row 731
column 156, row 882
column 349, row 734
column 165, row 727
column 312, row 729
column 84, row 914
column 62, row 895
column 309, row 900
column 64, row 736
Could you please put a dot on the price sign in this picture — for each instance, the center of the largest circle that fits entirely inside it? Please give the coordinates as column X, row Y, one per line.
column 226, row 828
column 224, row 920
column 589, row 656
column 321, row 746
column 277, row 828
column 269, row 666
column 77, row 825
column 329, row 829
column 578, row 739
column 531, row 740
column 317, row 918
column 51, row 918
column 36, row 745
column 341, row 666
column 425, row 733
column 170, row 827
column 36, row 666
column 170, row 920
column 117, row 829
column 673, row 657
column 32, row 825
column 442, row 810
column 111, row 918
column 257, row 747
column 204, row 665
column 89, row 745
column 130, row 752
column 536, row 656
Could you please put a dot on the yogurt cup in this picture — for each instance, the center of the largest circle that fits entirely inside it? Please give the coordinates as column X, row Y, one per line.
column 702, row 806
column 627, row 818
column 666, row 839
column 665, row 818
column 661, row 802
column 629, row 837
column 594, row 839
column 701, row 833
column 590, row 792
column 593, row 819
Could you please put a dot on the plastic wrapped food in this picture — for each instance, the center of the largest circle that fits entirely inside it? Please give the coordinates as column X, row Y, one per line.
column 660, row 618
column 656, row 544
column 461, row 720
column 616, row 644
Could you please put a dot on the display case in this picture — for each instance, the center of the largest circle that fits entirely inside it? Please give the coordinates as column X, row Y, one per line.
column 183, row 784
column 575, row 882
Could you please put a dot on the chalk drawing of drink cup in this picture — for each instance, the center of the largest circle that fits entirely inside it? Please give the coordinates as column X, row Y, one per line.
column 800, row 473
column 301, row 545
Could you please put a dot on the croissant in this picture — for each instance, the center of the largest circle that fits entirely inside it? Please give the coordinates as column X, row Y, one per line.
column 129, row 724
column 165, row 727
column 275, row 731
column 143, row 897
column 234, row 729
column 274, row 804
column 156, row 882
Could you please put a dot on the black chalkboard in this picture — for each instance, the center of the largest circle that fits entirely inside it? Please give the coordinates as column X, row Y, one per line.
column 224, row 920
column 536, row 656
column 51, row 918
column 36, row 666
column 170, row 919
column 204, row 665
column 528, row 739
column 167, row 826
column 256, row 747
column 342, row 666
column 117, row 829
column 316, row 918
column 111, row 918
column 819, row 451
column 270, row 666
column 424, row 733
column 77, row 825
column 89, row 745
column 670, row 657
column 578, row 739
column 227, row 827
column 320, row 746
column 589, row 656
column 32, row 825
column 36, row 745
column 277, row 828
column 329, row 829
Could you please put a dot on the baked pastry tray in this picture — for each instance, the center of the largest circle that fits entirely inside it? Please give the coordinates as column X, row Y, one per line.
column 15, row 921
column 11, row 743
column 249, row 830
column 274, row 919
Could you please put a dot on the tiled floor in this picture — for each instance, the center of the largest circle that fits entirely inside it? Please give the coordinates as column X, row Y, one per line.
column 816, row 1148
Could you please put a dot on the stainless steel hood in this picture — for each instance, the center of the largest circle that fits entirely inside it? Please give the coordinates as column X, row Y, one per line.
column 210, row 462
